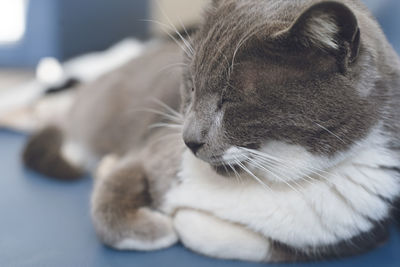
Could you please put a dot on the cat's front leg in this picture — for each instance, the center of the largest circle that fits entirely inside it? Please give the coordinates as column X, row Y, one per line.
column 211, row 236
column 121, row 210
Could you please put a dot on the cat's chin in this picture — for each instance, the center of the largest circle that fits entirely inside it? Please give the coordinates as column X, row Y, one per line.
column 226, row 171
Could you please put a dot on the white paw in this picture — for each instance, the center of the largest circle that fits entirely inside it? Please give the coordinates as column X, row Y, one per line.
column 145, row 245
column 214, row 237
column 106, row 165
column 77, row 155
column 163, row 229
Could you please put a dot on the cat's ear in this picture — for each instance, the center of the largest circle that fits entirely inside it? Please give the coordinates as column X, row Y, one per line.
column 330, row 26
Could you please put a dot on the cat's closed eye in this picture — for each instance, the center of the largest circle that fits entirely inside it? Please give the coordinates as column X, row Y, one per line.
column 221, row 102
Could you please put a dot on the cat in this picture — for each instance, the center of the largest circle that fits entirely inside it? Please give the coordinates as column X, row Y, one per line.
column 286, row 146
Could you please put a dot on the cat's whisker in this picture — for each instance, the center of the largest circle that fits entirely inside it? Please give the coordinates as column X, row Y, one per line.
column 330, row 132
column 276, row 160
column 168, row 116
column 244, row 168
column 175, row 65
column 274, row 163
column 172, row 26
column 301, row 170
column 304, row 176
column 166, row 125
column 183, row 47
column 168, row 108
column 237, row 175
column 259, row 166
column 253, row 151
column 187, row 33
column 223, row 165
column 233, row 169
column 256, row 164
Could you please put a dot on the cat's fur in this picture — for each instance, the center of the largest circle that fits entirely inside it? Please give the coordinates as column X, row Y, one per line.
column 291, row 112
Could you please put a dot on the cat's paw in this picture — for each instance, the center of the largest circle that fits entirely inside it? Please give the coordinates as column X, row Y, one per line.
column 145, row 231
column 157, row 229
column 211, row 236
column 106, row 166
column 121, row 210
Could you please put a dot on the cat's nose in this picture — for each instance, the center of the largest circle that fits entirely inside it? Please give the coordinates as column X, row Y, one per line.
column 194, row 146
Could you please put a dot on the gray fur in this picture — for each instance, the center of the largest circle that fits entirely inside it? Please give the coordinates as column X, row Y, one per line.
column 284, row 88
column 111, row 115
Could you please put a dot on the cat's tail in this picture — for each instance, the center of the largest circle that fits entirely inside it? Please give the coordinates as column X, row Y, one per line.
column 43, row 153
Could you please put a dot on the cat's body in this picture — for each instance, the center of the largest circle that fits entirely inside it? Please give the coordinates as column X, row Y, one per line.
column 291, row 110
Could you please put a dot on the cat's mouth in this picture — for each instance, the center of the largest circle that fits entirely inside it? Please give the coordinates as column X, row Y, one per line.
column 226, row 170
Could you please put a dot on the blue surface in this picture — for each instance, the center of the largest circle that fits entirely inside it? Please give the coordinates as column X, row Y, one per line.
column 46, row 223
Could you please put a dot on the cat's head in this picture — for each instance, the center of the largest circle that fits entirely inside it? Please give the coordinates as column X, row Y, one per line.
column 274, row 88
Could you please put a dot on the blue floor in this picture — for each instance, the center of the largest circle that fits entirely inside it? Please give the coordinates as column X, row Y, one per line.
column 46, row 223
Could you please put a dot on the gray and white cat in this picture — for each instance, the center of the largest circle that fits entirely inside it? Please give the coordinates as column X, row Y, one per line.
column 290, row 116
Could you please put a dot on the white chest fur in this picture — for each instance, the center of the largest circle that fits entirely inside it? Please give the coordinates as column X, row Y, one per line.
column 338, row 206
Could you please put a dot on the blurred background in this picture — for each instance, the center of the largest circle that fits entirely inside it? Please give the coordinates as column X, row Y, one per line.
column 31, row 30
